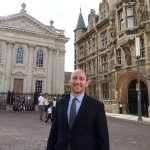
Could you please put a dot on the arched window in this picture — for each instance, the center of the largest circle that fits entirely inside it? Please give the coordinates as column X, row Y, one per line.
column 39, row 62
column 19, row 57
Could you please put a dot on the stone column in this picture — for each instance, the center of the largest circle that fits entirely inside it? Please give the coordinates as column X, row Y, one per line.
column 49, row 71
column 8, row 66
column 30, row 64
column 55, row 71
column 57, row 82
column 61, row 71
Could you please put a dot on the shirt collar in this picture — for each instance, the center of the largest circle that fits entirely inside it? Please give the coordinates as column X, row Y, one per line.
column 79, row 98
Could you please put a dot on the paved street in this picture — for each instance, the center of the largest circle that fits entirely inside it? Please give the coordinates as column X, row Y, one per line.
column 125, row 135
column 22, row 131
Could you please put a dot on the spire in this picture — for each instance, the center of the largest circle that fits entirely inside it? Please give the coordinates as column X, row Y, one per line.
column 80, row 24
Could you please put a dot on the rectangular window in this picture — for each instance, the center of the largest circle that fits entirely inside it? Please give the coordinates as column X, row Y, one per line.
column 89, row 44
column 120, row 13
column 105, row 90
column 81, row 52
column 20, row 56
column 142, row 48
column 104, row 39
column 104, row 64
column 40, row 58
column 130, row 18
column 93, row 44
column 90, row 70
column 38, row 86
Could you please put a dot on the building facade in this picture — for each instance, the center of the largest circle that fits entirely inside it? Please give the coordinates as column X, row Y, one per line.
column 67, row 86
column 106, row 50
column 31, row 55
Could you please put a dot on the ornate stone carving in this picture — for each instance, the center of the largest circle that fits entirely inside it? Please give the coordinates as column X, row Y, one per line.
column 23, row 8
column 112, row 29
column 141, row 11
column 10, row 43
column 127, row 52
column 31, row 45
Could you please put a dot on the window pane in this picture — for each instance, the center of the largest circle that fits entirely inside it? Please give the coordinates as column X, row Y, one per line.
column 38, row 86
column 105, row 90
column 142, row 48
column 104, row 39
column 104, row 64
column 39, row 62
column 130, row 22
column 19, row 57
column 130, row 12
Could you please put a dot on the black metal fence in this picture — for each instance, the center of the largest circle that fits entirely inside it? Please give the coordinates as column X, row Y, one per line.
column 30, row 99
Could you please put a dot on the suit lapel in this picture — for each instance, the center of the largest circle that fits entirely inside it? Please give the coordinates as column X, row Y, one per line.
column 65, row 108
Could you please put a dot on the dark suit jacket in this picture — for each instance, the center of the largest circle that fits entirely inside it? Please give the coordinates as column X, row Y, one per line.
column 89, row 131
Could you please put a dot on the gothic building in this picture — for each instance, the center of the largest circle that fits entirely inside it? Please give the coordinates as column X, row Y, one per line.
column 106, row 50
column 31, row 55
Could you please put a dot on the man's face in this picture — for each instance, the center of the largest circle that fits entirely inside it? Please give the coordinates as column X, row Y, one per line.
column 78, row 82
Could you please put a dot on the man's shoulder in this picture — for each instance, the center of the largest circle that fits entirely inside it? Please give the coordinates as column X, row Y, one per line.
column 63, row 98
column 94, row 100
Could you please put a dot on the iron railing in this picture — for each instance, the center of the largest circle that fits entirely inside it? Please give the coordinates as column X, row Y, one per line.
column 31, row 99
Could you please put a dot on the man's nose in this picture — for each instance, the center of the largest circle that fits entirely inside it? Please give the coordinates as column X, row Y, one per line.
column 78, row 80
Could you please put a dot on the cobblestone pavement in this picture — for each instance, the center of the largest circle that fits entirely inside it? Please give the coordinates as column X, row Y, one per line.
column 125, row 135
column 23, row 131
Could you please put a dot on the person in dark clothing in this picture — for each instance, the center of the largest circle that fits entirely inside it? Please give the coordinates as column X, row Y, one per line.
column 49, row 114
column 80, row 121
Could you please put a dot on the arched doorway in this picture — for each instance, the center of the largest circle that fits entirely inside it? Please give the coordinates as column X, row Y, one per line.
column 132, row 98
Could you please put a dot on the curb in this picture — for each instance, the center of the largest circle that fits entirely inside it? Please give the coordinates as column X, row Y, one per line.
column 129, row 118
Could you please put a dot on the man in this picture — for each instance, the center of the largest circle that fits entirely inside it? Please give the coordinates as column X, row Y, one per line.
column 41, row 106
column 89, row 129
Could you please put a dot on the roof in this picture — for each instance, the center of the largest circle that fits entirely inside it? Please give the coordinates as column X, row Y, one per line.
column 80, row 24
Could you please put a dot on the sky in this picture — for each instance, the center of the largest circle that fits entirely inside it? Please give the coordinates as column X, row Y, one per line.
column 64, row 13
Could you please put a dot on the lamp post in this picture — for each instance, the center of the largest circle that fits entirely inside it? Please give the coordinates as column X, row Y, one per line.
column 138, row 87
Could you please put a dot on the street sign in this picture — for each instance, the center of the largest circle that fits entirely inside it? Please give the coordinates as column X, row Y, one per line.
column 147, row 78
column 137, row 86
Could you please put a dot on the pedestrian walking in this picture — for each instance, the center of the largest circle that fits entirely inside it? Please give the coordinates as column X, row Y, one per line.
column 22, row 104
column 80, row 121
column 41, row 106
column 46, row 104
column 53, row 107
column 49, row 114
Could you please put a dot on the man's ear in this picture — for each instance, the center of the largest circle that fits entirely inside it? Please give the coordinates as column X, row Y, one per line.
column 87, row 84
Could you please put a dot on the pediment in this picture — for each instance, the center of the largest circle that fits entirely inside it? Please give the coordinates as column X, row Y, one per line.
column 39, row 75
column 25, row 23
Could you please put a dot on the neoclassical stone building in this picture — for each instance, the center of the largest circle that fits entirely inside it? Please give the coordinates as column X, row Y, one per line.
column 106, row 48
column 31, row 55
